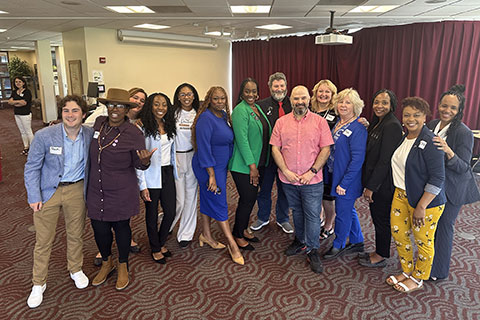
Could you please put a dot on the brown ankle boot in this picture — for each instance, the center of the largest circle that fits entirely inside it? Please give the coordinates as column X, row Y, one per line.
column 105, row 270
column 122, row 276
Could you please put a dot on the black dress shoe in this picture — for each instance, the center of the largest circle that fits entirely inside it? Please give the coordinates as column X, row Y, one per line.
column 354, row 247
column 184, row 243
column 135, row 249
column 248, row 247
column 161, row 261
column 254, row 239
column 167, row 254
column 366, row 262
column 334, row 253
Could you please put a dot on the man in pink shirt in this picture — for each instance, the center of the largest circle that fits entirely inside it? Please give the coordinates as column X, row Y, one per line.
column 300, row 146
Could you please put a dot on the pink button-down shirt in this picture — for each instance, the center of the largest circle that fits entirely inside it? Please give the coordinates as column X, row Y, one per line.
column 300, row 142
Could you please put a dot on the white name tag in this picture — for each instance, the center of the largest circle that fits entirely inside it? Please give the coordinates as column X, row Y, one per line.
column 56, row 150
column 422, row 144
column 330, row 117
column 96, row 134
column 347, row 132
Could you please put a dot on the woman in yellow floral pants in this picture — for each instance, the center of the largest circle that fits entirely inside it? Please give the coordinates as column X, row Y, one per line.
column 418, row 171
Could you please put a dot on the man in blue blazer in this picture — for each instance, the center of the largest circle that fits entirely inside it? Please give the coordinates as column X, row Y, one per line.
column 56, row 169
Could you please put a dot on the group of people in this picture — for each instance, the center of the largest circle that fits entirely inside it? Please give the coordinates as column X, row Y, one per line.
column 321, row 153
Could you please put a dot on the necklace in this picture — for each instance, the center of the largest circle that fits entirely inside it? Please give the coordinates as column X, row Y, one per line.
column 100, row 147
column 341, row 123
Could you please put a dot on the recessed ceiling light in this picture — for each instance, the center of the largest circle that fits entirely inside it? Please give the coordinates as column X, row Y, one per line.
column 151, row 26
column 70, row 3
column 3, row 30
column 24, row 48
column 273, row 27
column 250, row 9
column 3, row 11
column 372, row 9
column 217, row 33
column 130, row 9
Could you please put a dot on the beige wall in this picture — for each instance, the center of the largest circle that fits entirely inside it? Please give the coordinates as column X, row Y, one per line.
column 74, row 48
column 155, row 67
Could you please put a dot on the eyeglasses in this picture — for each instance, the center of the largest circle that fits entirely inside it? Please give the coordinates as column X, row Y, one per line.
column 114, row 105
column 183, row 95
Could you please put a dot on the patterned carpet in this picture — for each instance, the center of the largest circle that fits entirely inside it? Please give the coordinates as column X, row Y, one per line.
column 202, row 283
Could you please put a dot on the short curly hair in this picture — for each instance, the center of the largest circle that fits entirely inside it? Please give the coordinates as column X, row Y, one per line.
column 77, row 99
column 417, row 103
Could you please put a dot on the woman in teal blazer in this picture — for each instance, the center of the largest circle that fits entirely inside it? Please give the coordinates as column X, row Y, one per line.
column 251, row 154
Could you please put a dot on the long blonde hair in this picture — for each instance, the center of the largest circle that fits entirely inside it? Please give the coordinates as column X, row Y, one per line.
column 206, row 103
column 330, row 86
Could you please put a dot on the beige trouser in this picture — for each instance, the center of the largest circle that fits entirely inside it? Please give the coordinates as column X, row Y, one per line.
column 186, row 203
column 70, row 199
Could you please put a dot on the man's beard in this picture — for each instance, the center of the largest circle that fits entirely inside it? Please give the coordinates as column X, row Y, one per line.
column 300, row 109
column 279, row 96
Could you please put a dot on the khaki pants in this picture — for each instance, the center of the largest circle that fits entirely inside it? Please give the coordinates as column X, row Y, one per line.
column 70, row 199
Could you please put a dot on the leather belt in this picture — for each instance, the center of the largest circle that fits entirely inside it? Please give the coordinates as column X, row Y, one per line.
column 63, row 184
column 185, row 151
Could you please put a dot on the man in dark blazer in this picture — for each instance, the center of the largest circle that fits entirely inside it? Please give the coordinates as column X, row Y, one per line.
column 55, row 172
column 274, row 107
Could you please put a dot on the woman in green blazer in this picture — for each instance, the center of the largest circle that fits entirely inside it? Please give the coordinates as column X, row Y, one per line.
column 251, row 154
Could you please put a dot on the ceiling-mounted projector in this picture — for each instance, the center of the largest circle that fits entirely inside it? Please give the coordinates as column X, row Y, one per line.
column 333, row 39
column 333, row 36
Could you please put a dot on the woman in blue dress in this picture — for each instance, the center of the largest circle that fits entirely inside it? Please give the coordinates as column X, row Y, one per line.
column 212, row 138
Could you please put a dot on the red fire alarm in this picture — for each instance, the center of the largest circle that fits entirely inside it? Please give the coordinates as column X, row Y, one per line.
column 102, row 60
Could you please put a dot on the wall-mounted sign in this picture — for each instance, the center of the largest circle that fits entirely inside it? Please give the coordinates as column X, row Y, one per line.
column 102, row 60
column 97, row 76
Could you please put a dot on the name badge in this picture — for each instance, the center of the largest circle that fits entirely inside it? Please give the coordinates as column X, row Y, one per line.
column 56, row 150
column 422, row 144
column 347, row 132
column 330, row 117
column 96, row 134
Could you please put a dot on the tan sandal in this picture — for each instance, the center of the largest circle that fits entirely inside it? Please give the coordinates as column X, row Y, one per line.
column 402, row 287
column 392, row 280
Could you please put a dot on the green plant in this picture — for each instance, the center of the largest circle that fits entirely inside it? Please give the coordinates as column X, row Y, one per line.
column 19, row 68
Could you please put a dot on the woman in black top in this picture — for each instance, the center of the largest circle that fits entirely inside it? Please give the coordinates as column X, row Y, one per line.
column 21, row 99
column 323, row 95
column 384, row 134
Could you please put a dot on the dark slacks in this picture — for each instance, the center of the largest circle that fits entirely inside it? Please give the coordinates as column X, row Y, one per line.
column 247, row 196
column 264, row 197
column 380, row 212
column 167, row 197
column 102, row 231
column 444, row 241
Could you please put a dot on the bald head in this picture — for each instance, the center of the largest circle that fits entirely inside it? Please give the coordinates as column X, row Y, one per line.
column 302, row 90
column 300, row 100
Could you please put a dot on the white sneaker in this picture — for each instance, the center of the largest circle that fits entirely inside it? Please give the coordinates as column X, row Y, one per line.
column 36, row 296
column 81, row 280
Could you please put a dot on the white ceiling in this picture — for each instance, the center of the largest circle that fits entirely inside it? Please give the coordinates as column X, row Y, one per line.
column 30, row 20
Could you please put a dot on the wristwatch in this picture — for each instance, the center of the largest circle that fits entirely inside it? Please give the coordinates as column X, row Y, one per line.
column 315, row 171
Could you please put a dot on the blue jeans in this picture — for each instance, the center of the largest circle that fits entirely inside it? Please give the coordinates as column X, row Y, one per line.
column 264, row 197
column 347, row 224
column 306, row 204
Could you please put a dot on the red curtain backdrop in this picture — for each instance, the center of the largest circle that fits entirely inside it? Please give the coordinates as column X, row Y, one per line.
column 422, row 59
